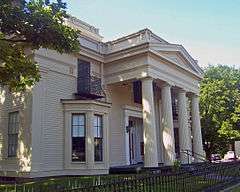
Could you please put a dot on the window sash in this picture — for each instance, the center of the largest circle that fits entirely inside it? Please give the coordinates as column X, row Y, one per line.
column 78, row 125
column 78, row 129
column 12, row 144
column 79, row 149
column 13, row 130
column 98, row 126
column 98, row 138
column 98, row 149
column 13, row 123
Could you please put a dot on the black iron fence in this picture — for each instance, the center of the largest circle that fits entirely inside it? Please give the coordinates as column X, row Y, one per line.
column 198, row 177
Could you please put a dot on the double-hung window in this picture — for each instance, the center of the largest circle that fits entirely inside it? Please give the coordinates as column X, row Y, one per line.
column 98, row 138
column 78, row 137
column 13, row 130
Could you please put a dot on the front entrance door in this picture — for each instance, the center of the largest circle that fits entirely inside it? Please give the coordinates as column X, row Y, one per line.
column 135, row 140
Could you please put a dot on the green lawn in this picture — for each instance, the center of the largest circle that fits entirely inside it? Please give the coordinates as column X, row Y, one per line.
column 236, row 189
column 165, row 184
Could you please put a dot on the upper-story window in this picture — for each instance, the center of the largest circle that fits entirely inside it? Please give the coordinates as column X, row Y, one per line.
column 13, row 130
column 98, row 138
column 78, row 137
column 88, row 85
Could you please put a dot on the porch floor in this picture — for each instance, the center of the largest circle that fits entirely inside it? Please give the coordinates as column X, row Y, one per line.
column 125, row 169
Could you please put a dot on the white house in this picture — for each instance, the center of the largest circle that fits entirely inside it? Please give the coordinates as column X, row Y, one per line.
column 127, row 101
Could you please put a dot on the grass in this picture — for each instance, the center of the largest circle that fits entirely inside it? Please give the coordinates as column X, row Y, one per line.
column 165, row 184
column 61, row 183
column 237, row 189
column 128, row 182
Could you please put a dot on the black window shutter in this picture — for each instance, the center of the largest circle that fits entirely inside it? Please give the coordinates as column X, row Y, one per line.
column 137, row 91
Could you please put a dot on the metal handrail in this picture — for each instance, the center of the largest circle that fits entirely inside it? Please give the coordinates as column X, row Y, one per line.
column 191, row 153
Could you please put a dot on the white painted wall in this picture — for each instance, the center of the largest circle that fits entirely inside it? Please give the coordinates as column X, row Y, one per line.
column 120, row 95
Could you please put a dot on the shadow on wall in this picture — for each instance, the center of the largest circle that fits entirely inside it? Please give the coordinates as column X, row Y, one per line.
column 12, row 102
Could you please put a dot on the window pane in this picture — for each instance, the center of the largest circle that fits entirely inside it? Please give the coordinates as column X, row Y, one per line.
column 100, row 133
column 75, row 120
column 81, row 131
column 98, row 149
column 95, row 121
column 96, row 131
column 74, row 131
column 78, row 119
column 78, row 131
column 78, row 149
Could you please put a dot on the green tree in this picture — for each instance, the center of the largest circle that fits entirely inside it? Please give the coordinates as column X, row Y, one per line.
column 220, row 107
column 26, row 26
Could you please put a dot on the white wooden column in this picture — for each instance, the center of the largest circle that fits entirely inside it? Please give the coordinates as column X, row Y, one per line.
column 196, row 128
column 167, row 125
column 184, row 130
column 161, row 148
column 149, row 128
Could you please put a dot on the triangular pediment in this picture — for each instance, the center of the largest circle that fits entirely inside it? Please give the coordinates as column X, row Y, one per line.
column 178, row 55
column 178, row 58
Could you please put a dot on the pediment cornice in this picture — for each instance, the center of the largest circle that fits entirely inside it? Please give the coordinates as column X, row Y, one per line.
column 179, row 49
column 177, row 64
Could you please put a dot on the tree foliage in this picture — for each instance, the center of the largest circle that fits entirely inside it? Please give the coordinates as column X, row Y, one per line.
column 30, row 25
column 220, row 107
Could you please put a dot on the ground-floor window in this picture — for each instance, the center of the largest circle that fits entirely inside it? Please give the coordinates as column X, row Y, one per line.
column 78, row 137
column 13, row 129
column 98, row 138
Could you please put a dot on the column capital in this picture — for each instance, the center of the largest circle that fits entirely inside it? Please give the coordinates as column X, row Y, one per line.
column 194, row 95
column 182, row 90
column 147, row 78
column 167, row 84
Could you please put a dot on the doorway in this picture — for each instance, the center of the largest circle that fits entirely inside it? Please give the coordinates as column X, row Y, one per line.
column 136, row 144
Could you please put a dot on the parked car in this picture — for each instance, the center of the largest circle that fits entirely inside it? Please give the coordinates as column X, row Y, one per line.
column 230, row 156
column 215, row 158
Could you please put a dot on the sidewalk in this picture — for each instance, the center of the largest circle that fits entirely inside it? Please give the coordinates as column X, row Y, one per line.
column 231, row 188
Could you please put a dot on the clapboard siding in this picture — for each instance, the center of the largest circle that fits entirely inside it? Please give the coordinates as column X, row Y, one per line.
column 57, row 84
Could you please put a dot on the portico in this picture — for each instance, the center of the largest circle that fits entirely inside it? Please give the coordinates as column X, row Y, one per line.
column 157, row 124
column 167, row 129
column 162, row 69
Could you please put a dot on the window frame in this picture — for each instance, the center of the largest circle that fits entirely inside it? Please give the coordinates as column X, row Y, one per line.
column 85, row 126
column 99, row 137
column 13, row 133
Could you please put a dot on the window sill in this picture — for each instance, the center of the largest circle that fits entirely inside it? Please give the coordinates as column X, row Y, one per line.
column 12, row 158
column 78, row 162
column 98, row 162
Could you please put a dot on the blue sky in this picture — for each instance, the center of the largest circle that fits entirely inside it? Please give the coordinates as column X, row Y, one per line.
column 208, row 29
